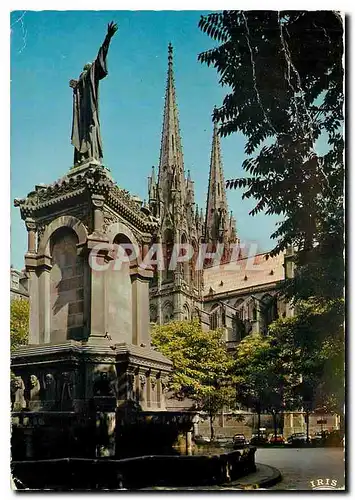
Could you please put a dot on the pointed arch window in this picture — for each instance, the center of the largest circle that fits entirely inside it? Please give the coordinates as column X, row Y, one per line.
column 168, row 274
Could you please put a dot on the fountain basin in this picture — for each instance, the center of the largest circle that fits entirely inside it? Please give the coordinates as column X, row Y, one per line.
column 133, row 473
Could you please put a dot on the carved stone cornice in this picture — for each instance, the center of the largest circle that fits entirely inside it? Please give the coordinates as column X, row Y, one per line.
column 96, row 181
column 72, row 351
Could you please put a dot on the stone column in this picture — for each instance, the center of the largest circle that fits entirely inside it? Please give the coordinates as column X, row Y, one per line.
column 142, row 390
column 140, row 305
column 33, row 291
column 189, row 442
column 31, row 235
column 44, row 299
column 149, row 389
column 98, row 203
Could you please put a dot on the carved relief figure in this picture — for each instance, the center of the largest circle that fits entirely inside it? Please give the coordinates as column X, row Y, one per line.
column 130, row 386
column 49, row 387
column 18, row 401
column 103, row 385
column 66, row 394
column 35, row 388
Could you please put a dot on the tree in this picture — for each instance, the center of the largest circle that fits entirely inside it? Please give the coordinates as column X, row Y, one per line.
column 285, row 75
column 266, row 375
column 19, row 322
column 320, row 359
column 202, row 367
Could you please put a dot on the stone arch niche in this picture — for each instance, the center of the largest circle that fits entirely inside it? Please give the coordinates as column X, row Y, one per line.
column 153, row 313
column 56, row 283
column 194, row 274
column 66, row 287
column 186, row 312
column 168, row 245
column 168, row 312
column 185, row 265
column 269, row 310
column 214, row 317
column 67, row 221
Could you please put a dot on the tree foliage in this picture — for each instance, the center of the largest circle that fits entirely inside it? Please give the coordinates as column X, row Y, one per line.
column 202, row 367
column 320, row 358
column 284, row 75
column 19, row 322
column 266, row 373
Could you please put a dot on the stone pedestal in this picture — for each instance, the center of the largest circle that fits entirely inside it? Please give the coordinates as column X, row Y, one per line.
column 89, row 355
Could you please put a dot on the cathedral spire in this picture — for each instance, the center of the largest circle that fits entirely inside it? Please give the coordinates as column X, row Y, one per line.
column 152, row 185
column 216, row 226
column 171, row 178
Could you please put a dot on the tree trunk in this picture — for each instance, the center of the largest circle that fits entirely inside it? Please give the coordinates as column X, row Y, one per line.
column 259, row 423
column 211, row 427
column 282, row 416
column 274, row 418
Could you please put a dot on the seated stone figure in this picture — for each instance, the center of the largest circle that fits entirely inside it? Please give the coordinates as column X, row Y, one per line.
column 18, row 401
column 35, row 399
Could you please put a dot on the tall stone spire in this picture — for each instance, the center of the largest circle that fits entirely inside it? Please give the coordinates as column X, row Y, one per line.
column 171, row 179
column 177, row 291
column 152, row 192
column 217, row 223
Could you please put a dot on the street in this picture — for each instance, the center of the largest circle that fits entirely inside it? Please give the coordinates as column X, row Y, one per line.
column 300, row 466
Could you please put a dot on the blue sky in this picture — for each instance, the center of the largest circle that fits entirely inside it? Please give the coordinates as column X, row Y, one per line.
column 49, row 48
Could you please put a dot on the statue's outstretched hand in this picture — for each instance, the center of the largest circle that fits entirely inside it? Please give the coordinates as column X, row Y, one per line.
column 111, row 29
column 73, row 83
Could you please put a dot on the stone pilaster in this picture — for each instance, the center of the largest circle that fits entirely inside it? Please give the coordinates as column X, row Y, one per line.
column 140, row 305
column 99, row 263
column 31, row 235
column 97, row 201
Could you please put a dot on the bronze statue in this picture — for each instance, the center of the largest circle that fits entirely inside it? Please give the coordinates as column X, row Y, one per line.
column 86, row 137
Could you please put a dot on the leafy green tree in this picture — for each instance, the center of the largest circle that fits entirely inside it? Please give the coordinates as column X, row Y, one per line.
column 19, row 322
column 202, row 367
column 319, row 359
column 284, row 75
column 264, row 375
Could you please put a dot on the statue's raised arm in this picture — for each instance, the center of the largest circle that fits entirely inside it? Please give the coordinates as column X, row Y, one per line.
column 86, row 137
column 102, row 54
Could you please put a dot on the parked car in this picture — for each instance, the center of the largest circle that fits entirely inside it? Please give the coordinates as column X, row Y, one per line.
column 297, row 439
column 259, row 439
column 223, row 441
column 278, row 439
column 202, row 439
column 334, row 438
column 239, row 440
column 319, row 438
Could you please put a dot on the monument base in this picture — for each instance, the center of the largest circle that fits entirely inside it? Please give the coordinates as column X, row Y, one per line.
column 67, row 396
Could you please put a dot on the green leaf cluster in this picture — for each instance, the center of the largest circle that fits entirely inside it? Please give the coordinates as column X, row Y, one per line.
column 19, row 322
column 202, row 367
column 284, row 76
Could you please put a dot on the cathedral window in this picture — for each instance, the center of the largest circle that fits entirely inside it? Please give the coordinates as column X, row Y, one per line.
column 214, row 323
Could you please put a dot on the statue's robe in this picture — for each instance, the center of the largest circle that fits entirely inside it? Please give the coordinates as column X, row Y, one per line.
column 86, row 137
